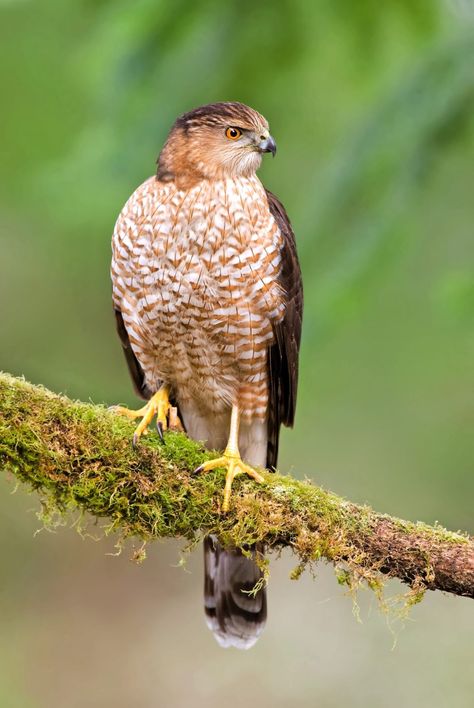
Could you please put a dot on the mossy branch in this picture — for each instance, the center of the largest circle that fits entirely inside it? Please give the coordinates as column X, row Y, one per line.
column 79, row 456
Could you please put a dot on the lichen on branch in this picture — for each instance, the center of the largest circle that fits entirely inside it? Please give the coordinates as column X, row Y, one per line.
column 79, row 456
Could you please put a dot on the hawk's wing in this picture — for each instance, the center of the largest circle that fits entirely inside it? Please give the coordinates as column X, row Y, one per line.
column 136, row 371
column 283, row 354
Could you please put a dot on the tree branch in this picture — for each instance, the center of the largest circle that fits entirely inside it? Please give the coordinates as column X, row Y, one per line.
column 79, row 456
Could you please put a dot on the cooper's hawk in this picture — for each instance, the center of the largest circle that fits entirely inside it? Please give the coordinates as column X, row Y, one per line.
column 208, row 298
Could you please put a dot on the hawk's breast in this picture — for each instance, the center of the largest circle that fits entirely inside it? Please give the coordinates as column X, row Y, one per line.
column 195, row 274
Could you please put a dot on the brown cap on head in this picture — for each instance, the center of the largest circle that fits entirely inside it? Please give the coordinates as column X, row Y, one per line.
column 230, row 113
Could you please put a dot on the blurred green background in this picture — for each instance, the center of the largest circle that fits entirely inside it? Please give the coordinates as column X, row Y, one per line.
column 372, row 108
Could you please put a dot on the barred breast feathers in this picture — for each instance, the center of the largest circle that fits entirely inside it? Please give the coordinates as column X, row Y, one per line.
column 200, row 268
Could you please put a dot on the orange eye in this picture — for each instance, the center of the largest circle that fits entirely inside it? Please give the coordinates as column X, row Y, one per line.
column 233, row 133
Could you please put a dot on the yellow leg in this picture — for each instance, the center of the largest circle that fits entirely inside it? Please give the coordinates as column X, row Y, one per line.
column 159, row 405
column 231, row 460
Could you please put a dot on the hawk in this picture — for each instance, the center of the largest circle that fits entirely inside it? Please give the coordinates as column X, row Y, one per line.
column 208, row 300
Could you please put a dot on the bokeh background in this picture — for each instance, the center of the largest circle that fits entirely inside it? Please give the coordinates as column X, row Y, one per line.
column 372, row 108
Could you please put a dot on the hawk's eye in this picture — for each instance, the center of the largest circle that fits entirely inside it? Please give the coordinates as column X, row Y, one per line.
column 233, row 133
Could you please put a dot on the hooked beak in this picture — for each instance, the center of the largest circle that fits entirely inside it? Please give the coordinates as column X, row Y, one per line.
column 268, row 145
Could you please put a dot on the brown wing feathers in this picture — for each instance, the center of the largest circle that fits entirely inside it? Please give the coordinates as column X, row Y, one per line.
column 283, row 354
column 136, row 371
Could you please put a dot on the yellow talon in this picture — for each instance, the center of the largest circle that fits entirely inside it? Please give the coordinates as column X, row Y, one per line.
column 159, row 405
column 231, row 461
column 234, row 465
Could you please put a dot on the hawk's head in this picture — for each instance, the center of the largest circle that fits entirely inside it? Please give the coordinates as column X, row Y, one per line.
column 215, row 141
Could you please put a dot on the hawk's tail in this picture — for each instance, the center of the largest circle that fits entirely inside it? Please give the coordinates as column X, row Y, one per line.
column 235, row 614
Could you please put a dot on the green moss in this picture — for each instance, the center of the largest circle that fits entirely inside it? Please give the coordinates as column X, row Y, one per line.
column 79, row 457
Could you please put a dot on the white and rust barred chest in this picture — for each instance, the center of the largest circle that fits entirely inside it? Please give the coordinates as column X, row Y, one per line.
column 195, row 274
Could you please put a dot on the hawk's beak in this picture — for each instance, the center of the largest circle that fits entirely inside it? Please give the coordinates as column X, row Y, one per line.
column 268, row 145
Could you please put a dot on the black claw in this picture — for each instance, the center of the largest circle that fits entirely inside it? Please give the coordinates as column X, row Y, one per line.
column 135, row 441
column 198, row 469
column 159, row 427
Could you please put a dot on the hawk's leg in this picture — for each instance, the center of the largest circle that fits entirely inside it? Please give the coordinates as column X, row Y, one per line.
column 231, row 460
column 159, row 405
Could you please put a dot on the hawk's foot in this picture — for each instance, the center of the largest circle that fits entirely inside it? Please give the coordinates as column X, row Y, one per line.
column 232, row 462
column 159, row 405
